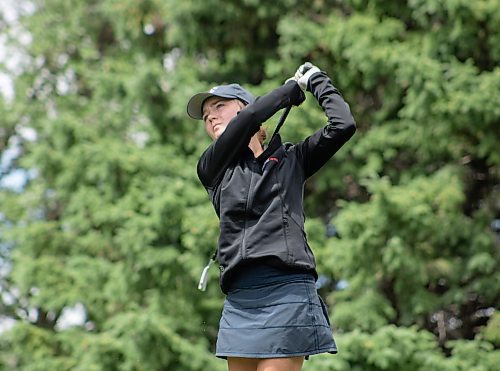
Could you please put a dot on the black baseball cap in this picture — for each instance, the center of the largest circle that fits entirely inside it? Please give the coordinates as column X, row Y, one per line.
column 231, row 91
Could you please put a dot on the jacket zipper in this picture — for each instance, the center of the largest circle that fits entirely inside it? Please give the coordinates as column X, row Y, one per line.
column 244, row 237
column 283, row 216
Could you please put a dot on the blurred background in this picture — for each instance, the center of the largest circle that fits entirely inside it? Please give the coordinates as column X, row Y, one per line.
column 105, row 228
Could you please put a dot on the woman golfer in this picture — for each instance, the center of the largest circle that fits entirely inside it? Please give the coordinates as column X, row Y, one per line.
column 273, row 317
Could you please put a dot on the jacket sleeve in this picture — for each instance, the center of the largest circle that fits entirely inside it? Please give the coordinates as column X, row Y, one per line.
column 230, row 144
column 317, row 149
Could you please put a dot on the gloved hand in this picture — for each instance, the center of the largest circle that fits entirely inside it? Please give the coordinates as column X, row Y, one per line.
column 303, row 74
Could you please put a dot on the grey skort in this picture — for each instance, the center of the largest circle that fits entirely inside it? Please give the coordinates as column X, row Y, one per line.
column 272, row 313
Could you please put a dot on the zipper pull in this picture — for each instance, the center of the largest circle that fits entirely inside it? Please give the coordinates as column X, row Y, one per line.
column 202, row 285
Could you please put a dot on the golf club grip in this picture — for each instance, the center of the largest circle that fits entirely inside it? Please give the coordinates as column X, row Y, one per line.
column 306, row 67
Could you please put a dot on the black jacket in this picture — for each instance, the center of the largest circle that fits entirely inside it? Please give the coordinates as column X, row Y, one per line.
column 259, row 201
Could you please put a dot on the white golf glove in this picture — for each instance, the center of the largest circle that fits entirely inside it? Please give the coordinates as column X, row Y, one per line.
column 303, row 74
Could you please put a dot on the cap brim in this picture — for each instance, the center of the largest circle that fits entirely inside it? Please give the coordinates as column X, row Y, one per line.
column 195, row 105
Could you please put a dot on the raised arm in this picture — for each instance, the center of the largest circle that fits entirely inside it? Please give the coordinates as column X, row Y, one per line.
column 228, row 147
column 318, row 148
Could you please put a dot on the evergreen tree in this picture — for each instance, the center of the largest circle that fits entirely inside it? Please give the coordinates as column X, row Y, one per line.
column 112, row 218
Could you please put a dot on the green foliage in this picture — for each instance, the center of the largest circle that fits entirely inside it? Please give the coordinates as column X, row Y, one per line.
column 410, row 236
column 392, row 348
column 492, row 330
column 112, row 217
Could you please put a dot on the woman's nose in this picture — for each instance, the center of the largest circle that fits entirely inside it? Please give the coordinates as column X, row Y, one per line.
column 211, row 117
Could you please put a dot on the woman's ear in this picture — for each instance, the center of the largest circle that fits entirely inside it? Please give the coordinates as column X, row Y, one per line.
column 262, row 134
column 241, row 104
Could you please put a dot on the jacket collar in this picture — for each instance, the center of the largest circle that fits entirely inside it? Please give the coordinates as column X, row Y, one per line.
column 274, row 144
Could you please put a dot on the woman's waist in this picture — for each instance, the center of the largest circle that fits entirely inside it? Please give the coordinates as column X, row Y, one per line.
column 262, row 273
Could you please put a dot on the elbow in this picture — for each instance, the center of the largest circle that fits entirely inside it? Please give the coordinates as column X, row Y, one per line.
column 203, row 174
column 345, row 122
column 350, row 123
column 348, row 128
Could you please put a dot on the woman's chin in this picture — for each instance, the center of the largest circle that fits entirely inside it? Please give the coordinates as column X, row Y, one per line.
column 218, row 132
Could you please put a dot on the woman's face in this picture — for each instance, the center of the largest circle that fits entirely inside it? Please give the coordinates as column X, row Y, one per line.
column 217, row 112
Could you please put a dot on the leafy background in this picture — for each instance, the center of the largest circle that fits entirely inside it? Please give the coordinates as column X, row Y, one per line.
column 111, row 223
